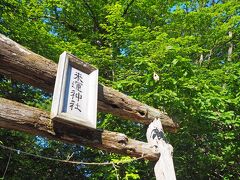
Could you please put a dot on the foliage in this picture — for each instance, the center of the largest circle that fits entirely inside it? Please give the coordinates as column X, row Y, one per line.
column 185, row 42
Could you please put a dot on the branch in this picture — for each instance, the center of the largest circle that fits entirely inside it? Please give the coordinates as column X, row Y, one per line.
column 94, row 18
column 128, row 6
column 87, row 6
column 219, row 45
column 57, row 20
column 17, row 116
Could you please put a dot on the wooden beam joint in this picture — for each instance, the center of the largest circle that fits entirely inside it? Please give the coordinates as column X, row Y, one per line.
column 25, row 66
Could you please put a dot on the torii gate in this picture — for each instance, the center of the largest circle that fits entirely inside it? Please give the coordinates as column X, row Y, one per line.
column 25, row 66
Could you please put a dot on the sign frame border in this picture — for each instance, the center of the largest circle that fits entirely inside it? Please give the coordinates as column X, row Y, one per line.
column 57, row 113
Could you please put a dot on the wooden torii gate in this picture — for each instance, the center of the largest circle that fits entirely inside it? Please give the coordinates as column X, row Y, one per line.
column 19, row 63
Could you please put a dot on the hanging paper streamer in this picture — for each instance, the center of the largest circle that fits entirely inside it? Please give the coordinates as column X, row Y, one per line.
column 164, row 168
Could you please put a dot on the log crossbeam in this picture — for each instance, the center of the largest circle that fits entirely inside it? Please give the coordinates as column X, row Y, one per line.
column 17, row 116
column 25, row 66
column 21, row 64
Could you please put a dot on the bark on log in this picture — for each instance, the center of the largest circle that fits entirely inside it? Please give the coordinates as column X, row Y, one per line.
column 17, row 116
column 25, row 66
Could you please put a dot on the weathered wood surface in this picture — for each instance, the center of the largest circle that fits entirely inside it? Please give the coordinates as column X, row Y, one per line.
column 17, row 116
column 25, row 66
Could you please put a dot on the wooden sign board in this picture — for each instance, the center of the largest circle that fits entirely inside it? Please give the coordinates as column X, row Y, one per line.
column 75, row 92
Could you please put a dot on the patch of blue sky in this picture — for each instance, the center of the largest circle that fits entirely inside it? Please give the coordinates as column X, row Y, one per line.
column 59, row 9
column 172, row 9
column 194, row 5
column 124, row 52
column 42, row 142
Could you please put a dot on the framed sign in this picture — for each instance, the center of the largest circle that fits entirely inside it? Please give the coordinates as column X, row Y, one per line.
column 75, row 92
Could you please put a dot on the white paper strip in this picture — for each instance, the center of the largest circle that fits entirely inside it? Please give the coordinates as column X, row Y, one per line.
column 164, row 168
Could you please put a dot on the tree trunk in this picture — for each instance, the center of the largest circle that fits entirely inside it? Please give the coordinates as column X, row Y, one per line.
column 230, row 48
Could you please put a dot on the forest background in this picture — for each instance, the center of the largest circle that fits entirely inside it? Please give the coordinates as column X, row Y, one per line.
column 193, row 46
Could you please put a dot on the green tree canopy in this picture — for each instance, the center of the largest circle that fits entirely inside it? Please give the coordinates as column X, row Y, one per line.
column 193, row 46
